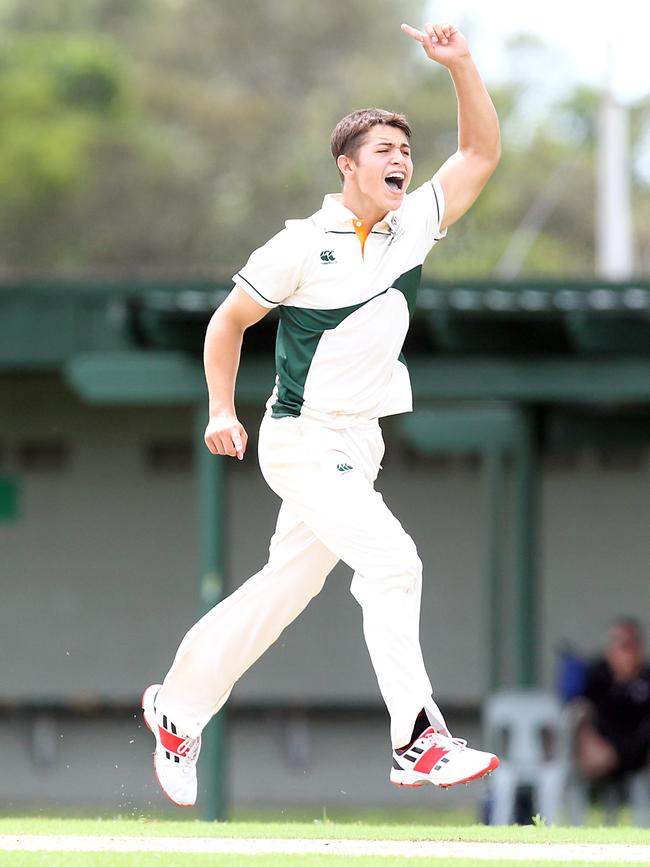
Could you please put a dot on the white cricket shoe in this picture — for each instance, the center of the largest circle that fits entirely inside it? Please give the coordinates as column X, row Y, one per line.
column 439, row 760
column 174, row 759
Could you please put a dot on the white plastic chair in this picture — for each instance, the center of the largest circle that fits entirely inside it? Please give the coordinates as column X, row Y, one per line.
column 521, row 726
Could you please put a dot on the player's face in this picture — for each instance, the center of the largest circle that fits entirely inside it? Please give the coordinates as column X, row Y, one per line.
column 625, row 652
column 382, row 167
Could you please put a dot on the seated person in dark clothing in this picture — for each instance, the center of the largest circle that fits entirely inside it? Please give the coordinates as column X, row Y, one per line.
column 613, row 729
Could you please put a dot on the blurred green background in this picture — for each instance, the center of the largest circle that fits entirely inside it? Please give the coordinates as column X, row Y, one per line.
column 176, row 135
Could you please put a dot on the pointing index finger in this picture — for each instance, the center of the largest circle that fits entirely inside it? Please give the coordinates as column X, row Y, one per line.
column 413, row 33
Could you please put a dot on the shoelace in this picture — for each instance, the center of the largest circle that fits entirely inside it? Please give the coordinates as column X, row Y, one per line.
column 459, row 743
column 188, row 750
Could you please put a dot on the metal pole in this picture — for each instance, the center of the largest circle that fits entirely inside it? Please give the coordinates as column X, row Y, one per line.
column 526, row 552
column 493, row 483
column 614, row 249
column 211, row 521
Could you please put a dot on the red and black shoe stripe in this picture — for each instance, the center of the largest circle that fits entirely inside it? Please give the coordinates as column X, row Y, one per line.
column 424, row 760
column 175, row 746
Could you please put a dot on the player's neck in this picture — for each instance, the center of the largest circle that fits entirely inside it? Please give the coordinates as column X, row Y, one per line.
column 363, row 207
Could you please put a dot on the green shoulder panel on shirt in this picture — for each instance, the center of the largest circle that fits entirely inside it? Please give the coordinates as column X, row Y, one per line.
column 408, row 283
column 299, row 334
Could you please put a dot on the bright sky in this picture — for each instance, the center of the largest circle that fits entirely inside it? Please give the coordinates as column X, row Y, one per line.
column 577, row 30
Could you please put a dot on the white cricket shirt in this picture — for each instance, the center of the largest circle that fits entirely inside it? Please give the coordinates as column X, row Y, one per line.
column 344, row 315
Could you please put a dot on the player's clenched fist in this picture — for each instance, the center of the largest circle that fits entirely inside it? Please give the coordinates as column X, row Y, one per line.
column 224, row 435
column 443, row 43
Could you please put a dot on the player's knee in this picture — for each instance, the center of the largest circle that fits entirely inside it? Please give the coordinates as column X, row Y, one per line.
column 409, row 569
column 416, row 572
column 410, row 559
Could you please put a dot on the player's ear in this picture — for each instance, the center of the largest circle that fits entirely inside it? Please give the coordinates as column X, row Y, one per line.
column 345, row 165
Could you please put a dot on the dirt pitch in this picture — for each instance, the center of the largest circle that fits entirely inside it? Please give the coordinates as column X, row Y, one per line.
column 559, row 852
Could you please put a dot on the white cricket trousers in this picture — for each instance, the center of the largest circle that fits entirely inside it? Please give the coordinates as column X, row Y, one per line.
column 330, row 512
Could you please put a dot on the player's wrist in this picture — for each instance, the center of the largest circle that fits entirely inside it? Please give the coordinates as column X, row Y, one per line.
column 220, row 410
column 461, row 63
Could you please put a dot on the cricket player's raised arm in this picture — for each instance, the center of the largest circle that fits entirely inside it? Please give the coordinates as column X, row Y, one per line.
column 225, row 435
column 466, row 172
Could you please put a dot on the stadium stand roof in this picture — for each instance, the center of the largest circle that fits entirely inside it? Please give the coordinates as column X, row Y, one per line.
column 575, row 341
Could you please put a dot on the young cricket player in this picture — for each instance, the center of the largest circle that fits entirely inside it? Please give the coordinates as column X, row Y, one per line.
column 344, row 282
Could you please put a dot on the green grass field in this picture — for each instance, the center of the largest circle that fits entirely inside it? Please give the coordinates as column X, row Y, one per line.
column 139, row 859
column 318, row 830
column 329, row 830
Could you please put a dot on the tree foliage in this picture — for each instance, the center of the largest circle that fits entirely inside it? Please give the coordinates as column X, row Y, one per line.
column 173, row 136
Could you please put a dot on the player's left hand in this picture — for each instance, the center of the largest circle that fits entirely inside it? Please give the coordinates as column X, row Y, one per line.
column 443, row 43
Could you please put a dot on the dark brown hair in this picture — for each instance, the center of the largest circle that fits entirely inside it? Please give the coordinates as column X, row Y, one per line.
column 350, row 131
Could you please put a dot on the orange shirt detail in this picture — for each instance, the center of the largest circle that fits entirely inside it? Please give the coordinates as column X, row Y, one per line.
column 361, row 232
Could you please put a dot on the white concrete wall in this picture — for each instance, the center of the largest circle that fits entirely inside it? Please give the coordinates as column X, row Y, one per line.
column 595, row 551
column 99, row 575
column 102, row 560
column 276, row 760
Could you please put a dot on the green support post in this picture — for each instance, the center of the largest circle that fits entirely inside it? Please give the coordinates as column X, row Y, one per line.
column 9, row 499
column 526, row 551
column 211, row 508
column 494, row 494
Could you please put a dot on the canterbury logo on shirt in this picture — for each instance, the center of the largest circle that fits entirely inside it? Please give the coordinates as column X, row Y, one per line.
column 327, row 256
column 344, row 468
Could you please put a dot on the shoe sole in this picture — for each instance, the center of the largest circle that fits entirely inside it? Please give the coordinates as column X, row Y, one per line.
column 492, row 766
column 155, row 769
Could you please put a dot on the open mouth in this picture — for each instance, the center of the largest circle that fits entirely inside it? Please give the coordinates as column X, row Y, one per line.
column 395, row 181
